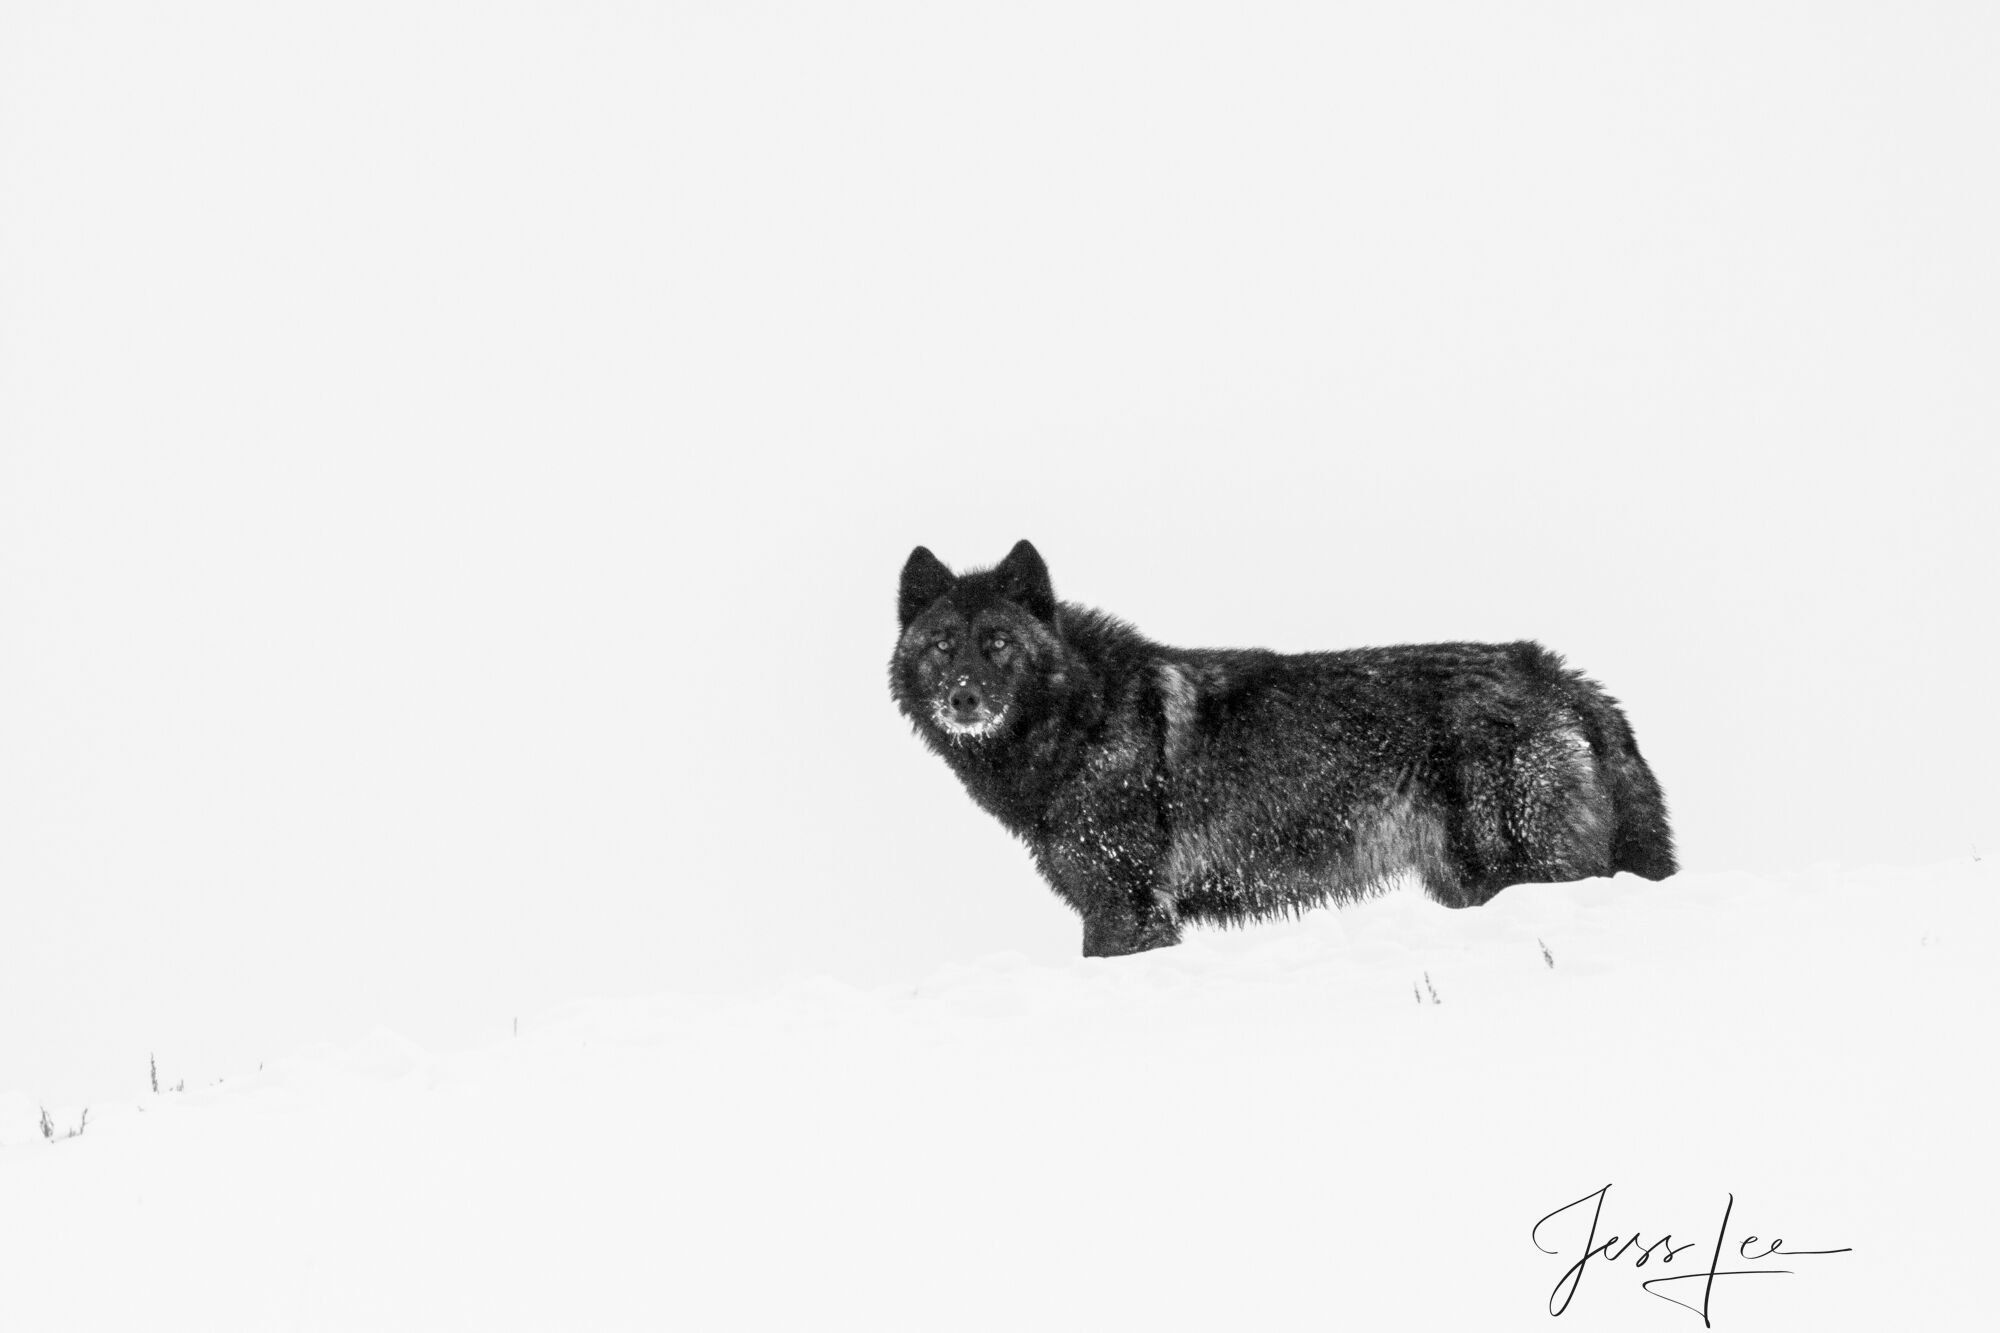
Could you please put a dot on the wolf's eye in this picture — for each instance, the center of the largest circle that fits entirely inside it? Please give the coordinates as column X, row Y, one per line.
column 997, row 642
column 942, row 645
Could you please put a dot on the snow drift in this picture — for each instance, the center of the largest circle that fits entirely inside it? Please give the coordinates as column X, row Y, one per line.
column 1353, row 1119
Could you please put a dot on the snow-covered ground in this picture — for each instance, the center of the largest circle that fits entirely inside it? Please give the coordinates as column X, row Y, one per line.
column 1351, row 1120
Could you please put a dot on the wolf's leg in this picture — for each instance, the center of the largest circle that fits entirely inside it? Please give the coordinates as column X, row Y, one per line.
column 1102, row 847
column 1561, row 812
column 1473, row 861
column 1115, row 894
column 1473, row 892
column 1452, row 884
column 1119, row 925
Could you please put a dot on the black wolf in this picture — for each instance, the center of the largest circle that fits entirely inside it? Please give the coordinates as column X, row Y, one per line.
column 1158, row 785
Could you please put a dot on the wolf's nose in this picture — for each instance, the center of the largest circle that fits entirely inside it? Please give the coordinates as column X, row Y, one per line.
column 965, row 700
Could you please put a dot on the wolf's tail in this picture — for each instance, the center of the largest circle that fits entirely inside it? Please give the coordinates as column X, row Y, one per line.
column 1642, row 841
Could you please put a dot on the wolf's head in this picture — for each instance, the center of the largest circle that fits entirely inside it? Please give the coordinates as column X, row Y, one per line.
column 974, row 646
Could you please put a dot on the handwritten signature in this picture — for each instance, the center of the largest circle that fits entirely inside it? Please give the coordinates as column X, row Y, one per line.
column 1615, row 1248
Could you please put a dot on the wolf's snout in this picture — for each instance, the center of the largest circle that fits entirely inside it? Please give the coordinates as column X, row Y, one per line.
column 964, row 699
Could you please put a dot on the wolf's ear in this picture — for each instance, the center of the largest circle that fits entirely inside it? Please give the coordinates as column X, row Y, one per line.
column 1025, row 579
column 925, row 579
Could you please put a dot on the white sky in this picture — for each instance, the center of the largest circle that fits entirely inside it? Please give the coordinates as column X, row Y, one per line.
column 455, row 459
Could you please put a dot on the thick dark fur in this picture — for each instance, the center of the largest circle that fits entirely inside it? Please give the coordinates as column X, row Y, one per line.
column 1158, row 785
